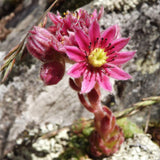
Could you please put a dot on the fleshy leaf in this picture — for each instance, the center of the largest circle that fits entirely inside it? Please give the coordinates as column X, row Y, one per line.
column 85, row 103
column 73, row 85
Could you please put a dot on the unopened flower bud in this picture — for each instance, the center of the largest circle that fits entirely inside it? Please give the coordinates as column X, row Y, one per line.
column 52, row 72
column 40, row 44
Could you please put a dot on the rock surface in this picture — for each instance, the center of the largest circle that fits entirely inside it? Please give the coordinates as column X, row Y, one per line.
column 51, row 147
column 24, row 100
column 138, row 148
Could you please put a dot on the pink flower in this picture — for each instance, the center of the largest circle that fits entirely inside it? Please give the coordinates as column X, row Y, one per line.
column 97, row 56
column 63, row 27
column 80, row 19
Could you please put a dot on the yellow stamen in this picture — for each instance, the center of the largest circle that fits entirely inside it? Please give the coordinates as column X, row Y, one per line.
column 97, row 57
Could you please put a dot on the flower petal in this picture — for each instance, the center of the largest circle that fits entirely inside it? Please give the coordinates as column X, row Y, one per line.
column 123, row 57
column 37, row 46
column 104, row 82
column 31, row 49
column 108, row 35
column 82, row 40
column 88, row 82
column 55, row 18
column 77, row 70
column 42, row 32
column 117, row 73
column 119, row 44
column 118, row 34
column 94, row 14
column 100, row 14
column 40, row 40
column 94, row 33
column 75, row 53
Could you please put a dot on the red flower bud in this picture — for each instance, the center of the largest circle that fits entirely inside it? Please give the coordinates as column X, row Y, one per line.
column 40, row 44
column 52, row 72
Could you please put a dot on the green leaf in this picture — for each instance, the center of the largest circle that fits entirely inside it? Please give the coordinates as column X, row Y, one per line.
column 129, row 128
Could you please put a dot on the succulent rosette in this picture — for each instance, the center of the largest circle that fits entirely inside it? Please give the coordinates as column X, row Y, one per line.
column 108, row 136
column 97, row 57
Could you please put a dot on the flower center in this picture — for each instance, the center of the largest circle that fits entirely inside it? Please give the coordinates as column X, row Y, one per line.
column 97, row 57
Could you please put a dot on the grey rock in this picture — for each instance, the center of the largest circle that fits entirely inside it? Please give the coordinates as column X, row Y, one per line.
column 140, row 147
column 50, row 147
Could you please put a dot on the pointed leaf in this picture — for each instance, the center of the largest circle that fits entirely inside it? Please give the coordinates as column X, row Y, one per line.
column 93, row 97
column 7, row 62
column 85, row 103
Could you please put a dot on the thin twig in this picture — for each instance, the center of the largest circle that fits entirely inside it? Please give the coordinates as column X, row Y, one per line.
column 138, row 107
column 147, row 121
column 45, row 13
column 11, row 57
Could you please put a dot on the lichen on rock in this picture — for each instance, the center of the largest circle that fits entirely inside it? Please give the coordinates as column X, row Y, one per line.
column 120, row 5
column 47, row 142
column 148, row 65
